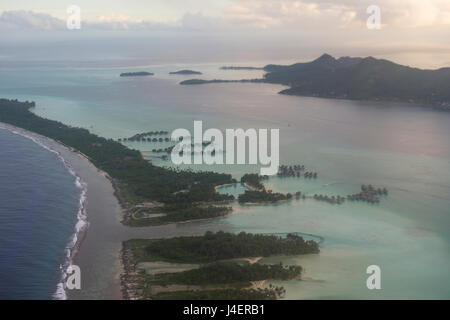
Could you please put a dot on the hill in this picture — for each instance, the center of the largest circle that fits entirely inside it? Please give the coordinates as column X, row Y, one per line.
column 186, row 72
column 363, row 79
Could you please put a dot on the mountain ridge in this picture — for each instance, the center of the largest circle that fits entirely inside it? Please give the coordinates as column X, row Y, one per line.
column 362, row 79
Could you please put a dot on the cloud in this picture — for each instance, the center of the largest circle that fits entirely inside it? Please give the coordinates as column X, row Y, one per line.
column 198, row 21
column 118, row 17
column 332, row 14
column 28, row 20
column 244, row 15
column 22, row 20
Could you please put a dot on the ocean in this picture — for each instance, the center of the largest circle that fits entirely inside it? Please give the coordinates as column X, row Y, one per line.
column 39, row 201
column 349, row 143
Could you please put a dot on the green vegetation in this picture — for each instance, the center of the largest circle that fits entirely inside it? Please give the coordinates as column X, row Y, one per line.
column 220, row 294
column 176, row 213
column 183, row 195
column 253, row 180
column 136, row 177
column 218, row 277
column 136, row 74
column 219, row 246
column 263, row 196
column 229, row 273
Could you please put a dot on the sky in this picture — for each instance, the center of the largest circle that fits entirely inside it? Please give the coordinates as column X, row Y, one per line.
column 413, row 32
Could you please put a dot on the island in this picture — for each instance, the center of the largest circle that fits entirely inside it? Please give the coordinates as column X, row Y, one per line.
column 356, row 78
column 185, row 72
column 136, row 74
column 252, row 181
column 263, row 196
column 363, row 79
column 213, row 266
column 201, row 81
column 148, row 194
column 239, row 68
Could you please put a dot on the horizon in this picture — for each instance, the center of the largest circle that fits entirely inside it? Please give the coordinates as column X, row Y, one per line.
column 410, row 32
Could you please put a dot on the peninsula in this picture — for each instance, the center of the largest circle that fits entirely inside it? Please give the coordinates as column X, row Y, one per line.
column 148, row 194
column 155, row 195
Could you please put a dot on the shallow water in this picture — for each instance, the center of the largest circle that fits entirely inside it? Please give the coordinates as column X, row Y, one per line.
column 401, row 147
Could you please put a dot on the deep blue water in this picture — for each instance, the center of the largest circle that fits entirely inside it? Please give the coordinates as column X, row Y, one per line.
column 38, row 206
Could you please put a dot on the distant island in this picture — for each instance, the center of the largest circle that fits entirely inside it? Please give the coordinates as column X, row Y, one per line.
column 136, row 74
column 357, row 79
column 201, row 81
column 240, row 68
column 187, row 72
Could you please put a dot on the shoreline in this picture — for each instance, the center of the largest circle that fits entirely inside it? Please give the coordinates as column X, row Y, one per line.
column 85, row 243
column 103, row 233
column 127, row 273
column 82, row 225
column 251, row 187
column 79, row 247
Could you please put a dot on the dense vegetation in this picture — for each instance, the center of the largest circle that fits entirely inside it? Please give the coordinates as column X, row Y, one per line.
column 177, row 213
column 231, row 272
column 262, row 196
column 138, row 179
column 216, row 278
column 219, row 246
column 219, row 294
column 363, row 79
column 253, row 180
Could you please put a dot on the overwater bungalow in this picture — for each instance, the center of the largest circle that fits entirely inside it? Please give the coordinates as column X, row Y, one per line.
column 368, row 193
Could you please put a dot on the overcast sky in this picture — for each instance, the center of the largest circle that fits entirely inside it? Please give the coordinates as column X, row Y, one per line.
column 415, row 32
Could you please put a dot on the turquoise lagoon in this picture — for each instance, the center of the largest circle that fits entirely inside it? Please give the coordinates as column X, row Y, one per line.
column 401, row 147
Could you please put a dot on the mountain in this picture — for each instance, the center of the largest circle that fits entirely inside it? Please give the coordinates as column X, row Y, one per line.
column 363, row 79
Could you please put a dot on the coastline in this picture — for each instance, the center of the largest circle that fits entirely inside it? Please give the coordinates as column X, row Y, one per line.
column 82, row 225
column 66, row 154
column 98, row 247
column 97, row 243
